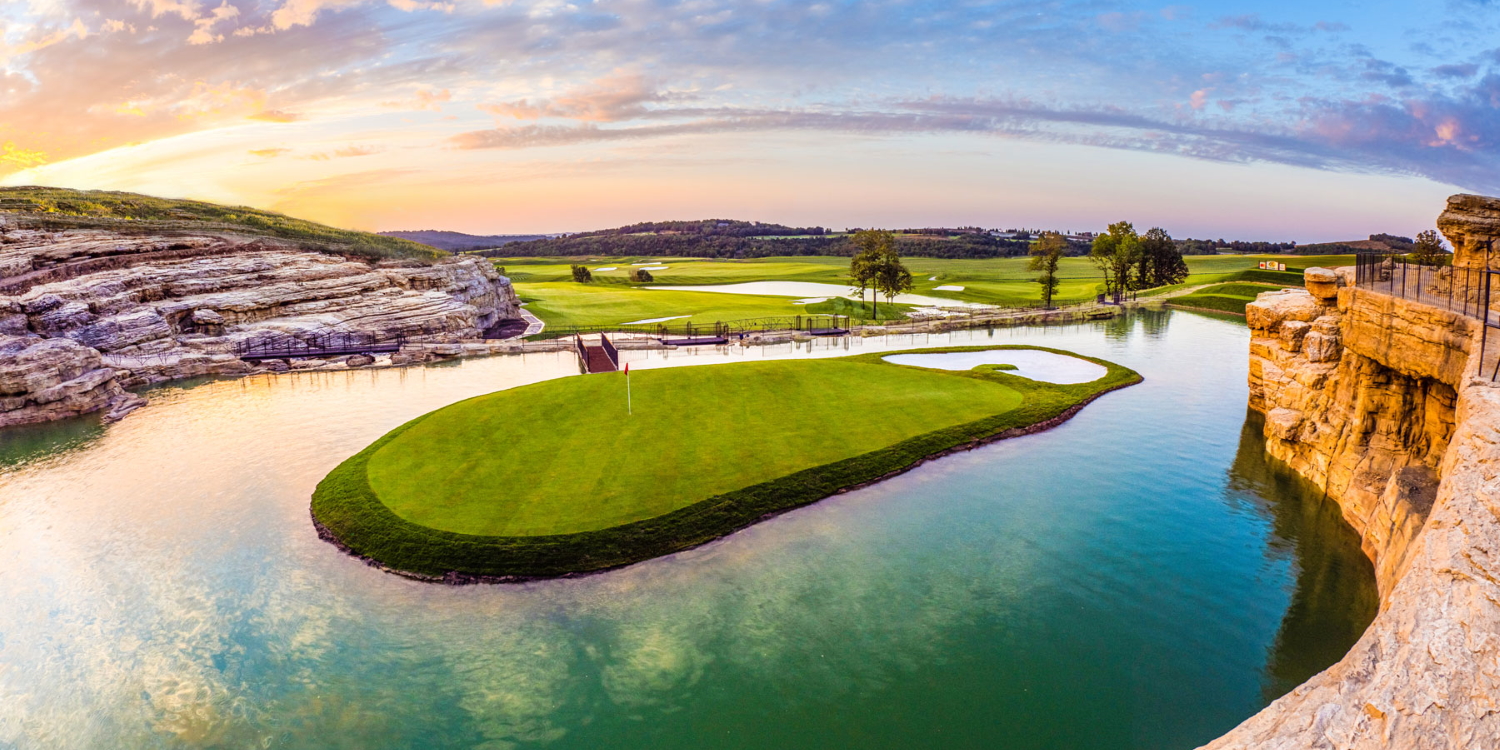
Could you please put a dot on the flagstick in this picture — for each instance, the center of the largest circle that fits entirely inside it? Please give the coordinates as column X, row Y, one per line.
column 629, row 408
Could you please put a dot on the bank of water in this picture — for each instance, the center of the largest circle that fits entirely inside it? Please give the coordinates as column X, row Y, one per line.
column 1141, row 577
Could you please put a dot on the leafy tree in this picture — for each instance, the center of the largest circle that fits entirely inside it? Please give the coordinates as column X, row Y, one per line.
column 1160, row 262
column 641, row 275
column 1115, row 254
column 872, row 247
column 1045, row 253
column 582, row 274
column 1428, row 249
column 891, row 276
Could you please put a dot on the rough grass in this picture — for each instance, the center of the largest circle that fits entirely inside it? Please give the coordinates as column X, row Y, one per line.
column 777, row 459
column 130, row 212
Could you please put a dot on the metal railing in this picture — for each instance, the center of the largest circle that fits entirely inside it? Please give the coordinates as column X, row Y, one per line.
column 1458, row 289
column 332, row 343
column 610, row 350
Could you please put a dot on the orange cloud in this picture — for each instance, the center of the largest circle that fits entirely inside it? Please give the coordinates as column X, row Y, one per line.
column 275, row 115
column 14, row 155
column 268, row 153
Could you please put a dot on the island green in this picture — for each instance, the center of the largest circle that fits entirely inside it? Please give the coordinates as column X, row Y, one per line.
column 558, row 478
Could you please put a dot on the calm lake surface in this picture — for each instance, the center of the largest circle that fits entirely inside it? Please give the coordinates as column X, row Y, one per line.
column 1141, row 577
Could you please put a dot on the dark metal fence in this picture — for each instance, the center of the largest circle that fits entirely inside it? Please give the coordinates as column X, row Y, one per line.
column 1462, row 290
column 332, row 343
column 1459, row 289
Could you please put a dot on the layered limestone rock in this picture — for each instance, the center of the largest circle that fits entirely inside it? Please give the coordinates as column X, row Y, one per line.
column 46, row 379
column 1381, row 401
column 1359, row 392
column 1472, row 224
column 144, row 309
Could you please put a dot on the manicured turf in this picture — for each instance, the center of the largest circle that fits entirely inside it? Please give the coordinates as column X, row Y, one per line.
column 1230, row 298
column 554, row 478
column 696, row 432
column 611, row 299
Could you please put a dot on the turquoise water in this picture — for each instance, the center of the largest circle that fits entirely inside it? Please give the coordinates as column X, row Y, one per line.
column 1141, row 577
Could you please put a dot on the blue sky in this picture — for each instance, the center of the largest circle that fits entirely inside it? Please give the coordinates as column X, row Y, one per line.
column 1275, row 120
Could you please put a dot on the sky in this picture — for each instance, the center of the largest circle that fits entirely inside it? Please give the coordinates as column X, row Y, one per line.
column 1307, row 121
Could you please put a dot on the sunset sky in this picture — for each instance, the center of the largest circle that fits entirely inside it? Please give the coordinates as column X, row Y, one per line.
column 1257, row 120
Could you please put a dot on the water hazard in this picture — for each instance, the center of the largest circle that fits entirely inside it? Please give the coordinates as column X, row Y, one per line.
column 1141, row 577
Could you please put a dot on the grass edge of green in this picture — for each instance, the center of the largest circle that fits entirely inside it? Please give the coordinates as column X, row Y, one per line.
column 347, row 512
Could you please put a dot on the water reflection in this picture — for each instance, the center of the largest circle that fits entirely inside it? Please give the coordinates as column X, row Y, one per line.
column 1332, row 600
column 1086, row 587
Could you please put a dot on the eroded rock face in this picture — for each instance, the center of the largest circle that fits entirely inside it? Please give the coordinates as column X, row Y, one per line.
column 1384, row 406
column 45, row 379
column 1472, row 224
column 160, row 308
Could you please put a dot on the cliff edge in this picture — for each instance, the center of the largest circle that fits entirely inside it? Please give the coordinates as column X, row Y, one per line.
column 92, row 305
column 1381, row 401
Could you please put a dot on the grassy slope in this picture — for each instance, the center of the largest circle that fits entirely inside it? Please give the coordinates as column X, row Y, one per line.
column 696, row 432
column 346, row 507
column 132, row 212
column 1003, row 281
column 1230, row 298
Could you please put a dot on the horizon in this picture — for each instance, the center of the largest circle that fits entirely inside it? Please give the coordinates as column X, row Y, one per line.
column 1269, row 121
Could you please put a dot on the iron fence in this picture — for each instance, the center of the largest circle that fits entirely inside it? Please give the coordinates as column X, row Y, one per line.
column 1457, row 288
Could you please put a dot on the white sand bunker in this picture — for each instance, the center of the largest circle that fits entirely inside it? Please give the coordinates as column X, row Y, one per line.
column 932, row 278
column 810, row 301
column 606, row 268
column 1030, row 363
column 947, row 288
column 648, row 321
column 655, row 268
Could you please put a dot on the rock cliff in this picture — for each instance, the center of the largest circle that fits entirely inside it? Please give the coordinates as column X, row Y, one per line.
column 85, row 313
column 1381, row 402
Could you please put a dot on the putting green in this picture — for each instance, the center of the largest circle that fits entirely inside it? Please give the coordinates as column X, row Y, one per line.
column 556, row 478
column 562, row 456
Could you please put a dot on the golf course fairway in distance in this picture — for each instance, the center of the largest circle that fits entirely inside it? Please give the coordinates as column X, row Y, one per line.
column 556, row 478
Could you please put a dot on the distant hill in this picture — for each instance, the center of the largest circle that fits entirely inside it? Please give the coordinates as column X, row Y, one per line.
column 726, row 238
column 456, row 242
column 131, row 213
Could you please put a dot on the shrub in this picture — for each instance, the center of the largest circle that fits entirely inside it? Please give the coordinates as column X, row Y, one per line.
column 582, row 274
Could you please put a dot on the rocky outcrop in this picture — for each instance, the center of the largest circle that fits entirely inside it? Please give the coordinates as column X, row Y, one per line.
column 46, row 379
column 133, row 310
column 1472, row 224
column 1387, row 410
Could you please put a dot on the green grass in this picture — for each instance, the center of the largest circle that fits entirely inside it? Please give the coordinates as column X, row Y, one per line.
column 1230, row 298
column 710, row 449
column 996, row 281
column 127, row 212
column 696, row 432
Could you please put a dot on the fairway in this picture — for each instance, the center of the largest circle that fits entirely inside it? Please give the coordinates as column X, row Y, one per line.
column 696, row 432
column 546, row 285
column 556, row 478
column 1230, row 298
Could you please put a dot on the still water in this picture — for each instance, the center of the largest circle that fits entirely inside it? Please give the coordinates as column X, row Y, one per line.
column 1141, row 577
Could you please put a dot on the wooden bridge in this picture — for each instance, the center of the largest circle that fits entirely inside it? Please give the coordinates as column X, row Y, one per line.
column 602, row 358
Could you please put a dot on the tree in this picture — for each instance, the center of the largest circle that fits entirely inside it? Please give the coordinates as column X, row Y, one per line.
column 891, row 276
column 865, row 267
column 1045, row 253
column 582, row 275
column 1115, row 253
column 641, row 275
column 1160, row 262
column 1428, row 250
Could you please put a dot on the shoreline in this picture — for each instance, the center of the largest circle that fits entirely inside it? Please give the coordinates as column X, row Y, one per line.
column 661, row 544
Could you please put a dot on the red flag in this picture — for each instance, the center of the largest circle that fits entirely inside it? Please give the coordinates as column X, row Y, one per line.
column 627, row 368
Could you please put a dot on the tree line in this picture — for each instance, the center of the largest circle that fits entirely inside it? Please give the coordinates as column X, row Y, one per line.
column 1130, row 261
